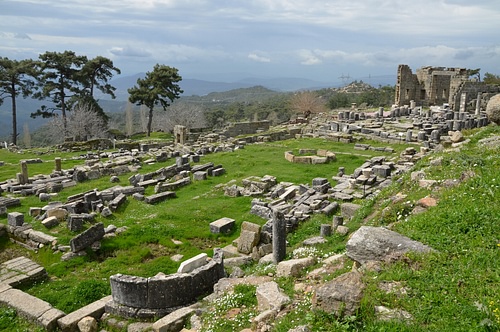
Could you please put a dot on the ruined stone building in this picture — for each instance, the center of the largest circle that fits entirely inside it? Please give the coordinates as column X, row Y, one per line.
column 439, row 85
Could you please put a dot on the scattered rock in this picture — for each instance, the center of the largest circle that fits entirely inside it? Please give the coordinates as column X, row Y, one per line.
column 314, row 241
column 427, row 202
column 456, row 137
column 293, row 267
column 270, row 297
column 380, row 244
column 342, row 230
column 87, row 324
column 340, row 296
column 302, row 328
column 385, row 314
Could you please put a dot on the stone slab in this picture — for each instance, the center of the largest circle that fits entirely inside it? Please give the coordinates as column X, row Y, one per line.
column 69, row 322
column 192, row 263
column 222, row 225
column 20, row 270
column 31, row 308
column 173, row 322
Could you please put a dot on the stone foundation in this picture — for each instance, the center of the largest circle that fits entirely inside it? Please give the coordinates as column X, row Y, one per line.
column 138, row 297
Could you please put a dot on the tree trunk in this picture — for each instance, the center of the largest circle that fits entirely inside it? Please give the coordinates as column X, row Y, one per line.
column 14, row 116
column 150, row 121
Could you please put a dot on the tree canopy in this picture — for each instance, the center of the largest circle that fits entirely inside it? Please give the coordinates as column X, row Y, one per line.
column 16, row 79
column 59, row 81
column 158, row 88
column 69, row 80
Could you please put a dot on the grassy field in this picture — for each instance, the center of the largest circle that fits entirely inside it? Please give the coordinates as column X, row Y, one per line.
column 455, row 289
column 146, row 247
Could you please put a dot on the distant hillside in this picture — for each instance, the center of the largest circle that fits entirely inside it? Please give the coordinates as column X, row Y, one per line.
column 195, row 87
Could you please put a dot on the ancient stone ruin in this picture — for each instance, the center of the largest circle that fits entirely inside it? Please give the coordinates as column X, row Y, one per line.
column 432, row 86
column 157, row 296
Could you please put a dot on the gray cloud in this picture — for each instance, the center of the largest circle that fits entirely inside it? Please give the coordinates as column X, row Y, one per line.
column 309, row 38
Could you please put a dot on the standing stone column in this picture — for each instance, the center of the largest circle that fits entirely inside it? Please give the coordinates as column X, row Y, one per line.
column 337, row 221
column 412, row 104
column 408, row 135
column 279, row 236
column 478, row 103
column 24, row 172
column 463, row 100
column 325, row 230
column 58, row 164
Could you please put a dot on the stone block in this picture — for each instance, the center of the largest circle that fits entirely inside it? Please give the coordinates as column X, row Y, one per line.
column 271, row 297
column 247, row 241
column 59, row 213
column 40, row 237
column 249, row 226
column 173, row 322
column 117, row 202
column 192, row 263
column 200, row 175
column 319, row 181
column 34, row 211
column 15, row 219
column 348, row 210
column 32, row 308
column 222, row 225
column 381, row 171
column 50, row 222
column 289, row 193
column 159, row 197
column 330, row 208
column 87, row 238
column 218, row 171
column 293, row 267
column 69, row 322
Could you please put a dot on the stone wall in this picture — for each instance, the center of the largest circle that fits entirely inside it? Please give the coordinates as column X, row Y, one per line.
column 246, row 128
column 159, row 295
column 436, row 86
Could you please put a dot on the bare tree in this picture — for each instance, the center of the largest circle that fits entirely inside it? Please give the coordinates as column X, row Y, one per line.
column 129, row 119
column 307, row 103
column 184, row 114
column 26, row 136
column 83, row 123
column 144, row 118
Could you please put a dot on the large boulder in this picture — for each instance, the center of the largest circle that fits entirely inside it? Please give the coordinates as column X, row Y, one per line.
column 271, row 297
column 380, row 244
column 493, row 109
column 340, row 296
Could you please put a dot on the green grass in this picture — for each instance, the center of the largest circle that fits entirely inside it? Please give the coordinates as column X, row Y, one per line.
column 146, row 247
column 448, row 289
column 11, row 321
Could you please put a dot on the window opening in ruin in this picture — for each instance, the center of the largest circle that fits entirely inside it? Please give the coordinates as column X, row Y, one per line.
column 407, row 94
column 422, row 94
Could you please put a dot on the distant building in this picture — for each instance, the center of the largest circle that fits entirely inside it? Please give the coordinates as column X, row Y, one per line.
column 437, row 86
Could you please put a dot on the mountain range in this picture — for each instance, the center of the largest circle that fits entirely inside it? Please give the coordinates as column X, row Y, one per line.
column 197, row 87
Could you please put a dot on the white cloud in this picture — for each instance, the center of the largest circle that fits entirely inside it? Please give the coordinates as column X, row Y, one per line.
column 258, row 58
column 130, row 52
column 309, row 58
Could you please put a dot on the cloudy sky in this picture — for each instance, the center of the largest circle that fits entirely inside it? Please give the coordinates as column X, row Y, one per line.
column 226, row 40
